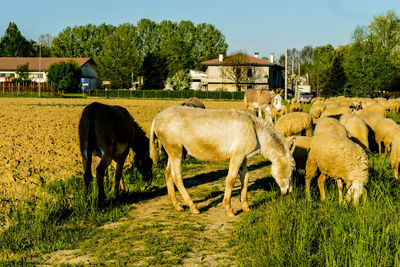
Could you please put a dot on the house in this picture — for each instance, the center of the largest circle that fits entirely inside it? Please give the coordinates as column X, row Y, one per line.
column 244, row 71
column 39, row 66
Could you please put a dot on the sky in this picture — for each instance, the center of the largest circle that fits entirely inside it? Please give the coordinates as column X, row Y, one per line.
column 262, row 26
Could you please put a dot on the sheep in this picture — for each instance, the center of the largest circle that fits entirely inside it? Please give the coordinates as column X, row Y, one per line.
column 275, row 113
column 341, row 159
column 193, row 102
column 371, row 119
column 296, row 107
column 376, row 107
column 294, row 100
column 331, row 104
column 385, row 131
column 357, row 129
column 330, row 125
column 393, row 105
column 394, row 155
column 316, row 110
column 335, row 111
column 295, row 123
column 301, row 151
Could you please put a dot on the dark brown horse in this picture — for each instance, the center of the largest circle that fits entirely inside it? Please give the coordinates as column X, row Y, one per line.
column 109, row 132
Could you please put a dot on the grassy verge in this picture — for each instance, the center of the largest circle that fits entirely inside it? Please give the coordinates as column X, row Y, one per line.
column 287, row 231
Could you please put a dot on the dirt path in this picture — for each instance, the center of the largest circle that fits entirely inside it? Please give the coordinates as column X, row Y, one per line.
column 207, row 234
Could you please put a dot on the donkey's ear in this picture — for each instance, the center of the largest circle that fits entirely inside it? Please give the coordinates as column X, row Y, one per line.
column 291, row 144
column 280, row 91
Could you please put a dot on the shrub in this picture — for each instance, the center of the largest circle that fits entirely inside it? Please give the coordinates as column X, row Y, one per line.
column 65, row 76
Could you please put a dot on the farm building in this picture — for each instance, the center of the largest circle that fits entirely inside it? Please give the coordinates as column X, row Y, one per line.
column 242, row 71
column 38, row 68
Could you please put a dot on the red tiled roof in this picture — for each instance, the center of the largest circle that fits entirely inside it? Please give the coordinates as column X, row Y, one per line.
column 250, row 59
column 12, row 63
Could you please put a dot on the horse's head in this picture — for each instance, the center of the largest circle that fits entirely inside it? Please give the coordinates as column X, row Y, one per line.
column 282, row 168
column 277, row 102
column 144, row 164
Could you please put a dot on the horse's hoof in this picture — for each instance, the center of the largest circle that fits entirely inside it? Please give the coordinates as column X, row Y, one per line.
column 195, row 210
column 230, row 213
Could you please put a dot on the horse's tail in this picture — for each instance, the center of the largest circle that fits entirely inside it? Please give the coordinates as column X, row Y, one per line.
column 153, row 151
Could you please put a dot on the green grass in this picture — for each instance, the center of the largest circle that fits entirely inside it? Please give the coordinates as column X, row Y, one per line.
column 288, row 231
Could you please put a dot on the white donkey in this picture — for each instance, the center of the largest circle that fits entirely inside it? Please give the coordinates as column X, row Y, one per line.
column 217, row 135
column 262, row 99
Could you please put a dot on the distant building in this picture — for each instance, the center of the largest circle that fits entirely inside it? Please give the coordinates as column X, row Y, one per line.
column 199, row 80
column 261, row 74
column 38, row 68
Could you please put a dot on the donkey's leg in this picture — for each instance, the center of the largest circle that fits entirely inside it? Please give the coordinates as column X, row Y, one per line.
column 176, row 173
column 171, row 187
column 234, row 165
column 244, row 181
column 118, row 174
column 87, row 166
column 100, row 170
column 321, row 185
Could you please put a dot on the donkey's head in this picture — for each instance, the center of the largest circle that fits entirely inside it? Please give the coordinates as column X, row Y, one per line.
column 144, row 164
column 282, row 167
column 277, row 101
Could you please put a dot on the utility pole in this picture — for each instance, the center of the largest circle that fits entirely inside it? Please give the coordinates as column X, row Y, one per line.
column 40, row 64
column 286, row 69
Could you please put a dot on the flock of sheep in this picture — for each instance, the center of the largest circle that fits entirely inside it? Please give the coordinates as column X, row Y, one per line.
column 346, row 130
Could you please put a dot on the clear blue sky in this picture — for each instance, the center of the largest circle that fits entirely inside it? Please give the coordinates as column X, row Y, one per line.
column 253, row 26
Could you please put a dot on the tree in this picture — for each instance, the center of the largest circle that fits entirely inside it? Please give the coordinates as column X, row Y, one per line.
column 64, row 76
column 23, row 73
column 13, row 44
column 119, row 62
column 44, row 41
column 154, row 71
column 386, row 29
column 370, row 68
column 235, row 69
column 321, row 67
column 181, row 80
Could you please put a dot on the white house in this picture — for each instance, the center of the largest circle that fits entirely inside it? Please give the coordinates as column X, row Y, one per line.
column 198, row 80
column 38, row 68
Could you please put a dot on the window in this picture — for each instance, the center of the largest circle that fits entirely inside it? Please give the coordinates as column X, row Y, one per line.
column 249, row 73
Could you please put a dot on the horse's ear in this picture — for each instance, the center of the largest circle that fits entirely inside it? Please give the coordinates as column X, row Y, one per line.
column 280, row 91
column 291, row 144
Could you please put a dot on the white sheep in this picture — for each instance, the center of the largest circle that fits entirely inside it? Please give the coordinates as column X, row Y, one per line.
column 295, row 123
column 356, row 128
column 341, row 159
column 394, row 155
column 385, row 131
column 301, row 151
column 335, row 111
column 331, row 125
column 316, row 110
column 275, row 113
column 372, row 119
column 375, row 107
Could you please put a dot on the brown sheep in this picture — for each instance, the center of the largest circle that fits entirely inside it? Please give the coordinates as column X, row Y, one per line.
column 330, row 125
column 356, row 128
column 385, row 131
column 193, row 102
column 341, row 159
column 394, row 155
column 295, row 123
column 296, row 107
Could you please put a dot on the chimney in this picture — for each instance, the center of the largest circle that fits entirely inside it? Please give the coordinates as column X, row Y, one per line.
column 271, row 57
column 221, row 57
column 256, row 54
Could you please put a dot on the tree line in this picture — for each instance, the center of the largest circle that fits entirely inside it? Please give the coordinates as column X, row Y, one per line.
column 150, row 52
column 147, row 52
column 368, row 66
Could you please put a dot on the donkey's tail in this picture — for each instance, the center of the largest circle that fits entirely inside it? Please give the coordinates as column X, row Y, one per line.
column 153, row 151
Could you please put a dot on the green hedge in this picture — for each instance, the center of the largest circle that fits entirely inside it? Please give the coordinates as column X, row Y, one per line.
column 165, row 94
